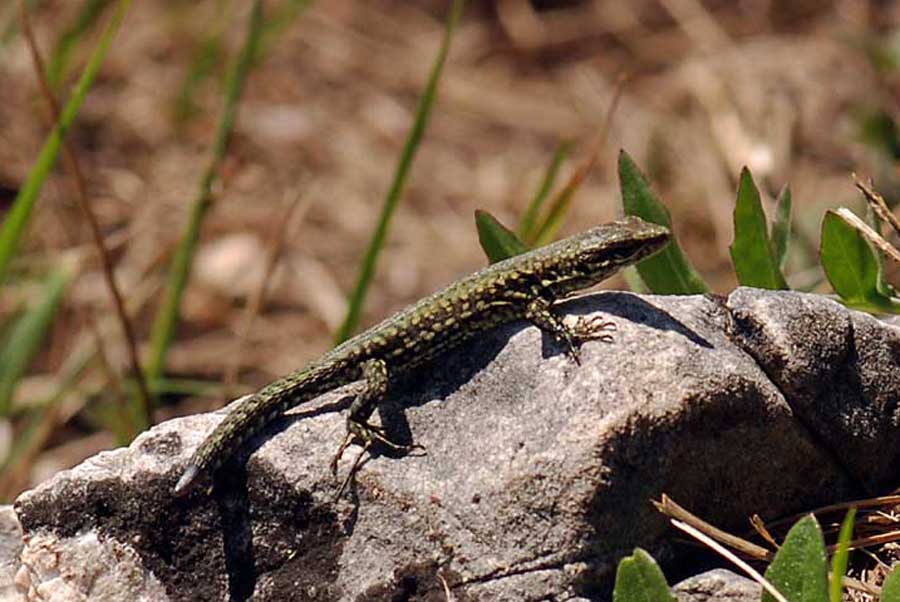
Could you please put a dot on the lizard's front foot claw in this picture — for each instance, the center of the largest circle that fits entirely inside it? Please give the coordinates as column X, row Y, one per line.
column 594, row 328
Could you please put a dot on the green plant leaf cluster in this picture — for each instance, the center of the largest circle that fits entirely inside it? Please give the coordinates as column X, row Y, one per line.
column 758, row 253
column 799, row 571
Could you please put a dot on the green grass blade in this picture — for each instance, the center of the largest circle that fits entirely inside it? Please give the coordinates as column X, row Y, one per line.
column 841, row 557
column 281, row 19
column 639, row 579
column 799, row 569
column 88, row 15
column 552, row 222
column 781, row 227
column 751, row 252
column 167, row 317
column 669, row 271
column 527, row 225
column 423, row 112
column 19, row 214
column 24, row 340
column 498, row 241
column 890, row 589
column 203, row 64
column 851, row 267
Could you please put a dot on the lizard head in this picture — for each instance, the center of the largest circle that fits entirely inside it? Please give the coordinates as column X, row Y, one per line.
column 604, row 249
column 592, row 256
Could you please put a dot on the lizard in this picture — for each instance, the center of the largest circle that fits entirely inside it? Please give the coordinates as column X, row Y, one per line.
column 525, row 287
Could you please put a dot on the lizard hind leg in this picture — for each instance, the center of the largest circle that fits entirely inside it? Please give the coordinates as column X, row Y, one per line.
column 375, row 379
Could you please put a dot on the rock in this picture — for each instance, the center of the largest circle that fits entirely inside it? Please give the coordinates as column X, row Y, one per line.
column 717, row 585
column 10, row 547
column 838, row 371
column 536, row 480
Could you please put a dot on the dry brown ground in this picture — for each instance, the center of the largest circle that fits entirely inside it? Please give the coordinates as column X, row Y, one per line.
column 774, row 85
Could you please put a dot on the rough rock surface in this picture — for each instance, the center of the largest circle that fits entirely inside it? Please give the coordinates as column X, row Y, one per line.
column 718, row 585
column 538, row 472
column 10, row 548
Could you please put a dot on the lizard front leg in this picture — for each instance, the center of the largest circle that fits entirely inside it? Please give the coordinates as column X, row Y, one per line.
column 539, row 312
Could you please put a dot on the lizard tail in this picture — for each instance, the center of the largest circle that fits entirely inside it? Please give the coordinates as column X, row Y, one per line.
column 247, row 419
column 187, row 481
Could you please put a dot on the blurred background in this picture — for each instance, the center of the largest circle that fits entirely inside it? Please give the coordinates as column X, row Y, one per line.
column 803, row 93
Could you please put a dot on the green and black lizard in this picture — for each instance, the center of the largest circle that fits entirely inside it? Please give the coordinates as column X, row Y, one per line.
column 522, row 287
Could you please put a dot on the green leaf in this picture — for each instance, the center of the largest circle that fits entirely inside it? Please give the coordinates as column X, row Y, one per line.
column 633, row 280
column 367, row 268
column 751, row 252
column 890, row 589
column 781, row 227
column 799, row 570
column 851, row 266
column 19, row 214
column 881, row 284
column 669, row 271
column 527, row 230
column 498, row 241
column 639, row 579
column 24, row 341
column 841, row 556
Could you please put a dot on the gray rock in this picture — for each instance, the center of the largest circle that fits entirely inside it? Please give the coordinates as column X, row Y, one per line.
column 838, row 371
column 10, row 548
column 536, row 480
column 718, row 585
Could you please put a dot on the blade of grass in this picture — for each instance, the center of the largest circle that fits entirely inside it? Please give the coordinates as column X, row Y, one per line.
column 841, row 556
column 498, row 241
column 47, row 412
column 551, row 224
column 423, row 112
column 88, row 15
column 751, row 252
column 142, row 399
column 668, row 272
column 526, row 227
column 781, row 226
column 26, row 336
column 167, row 316
column 19, row 214
column 203, row 62
column 282, row 18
